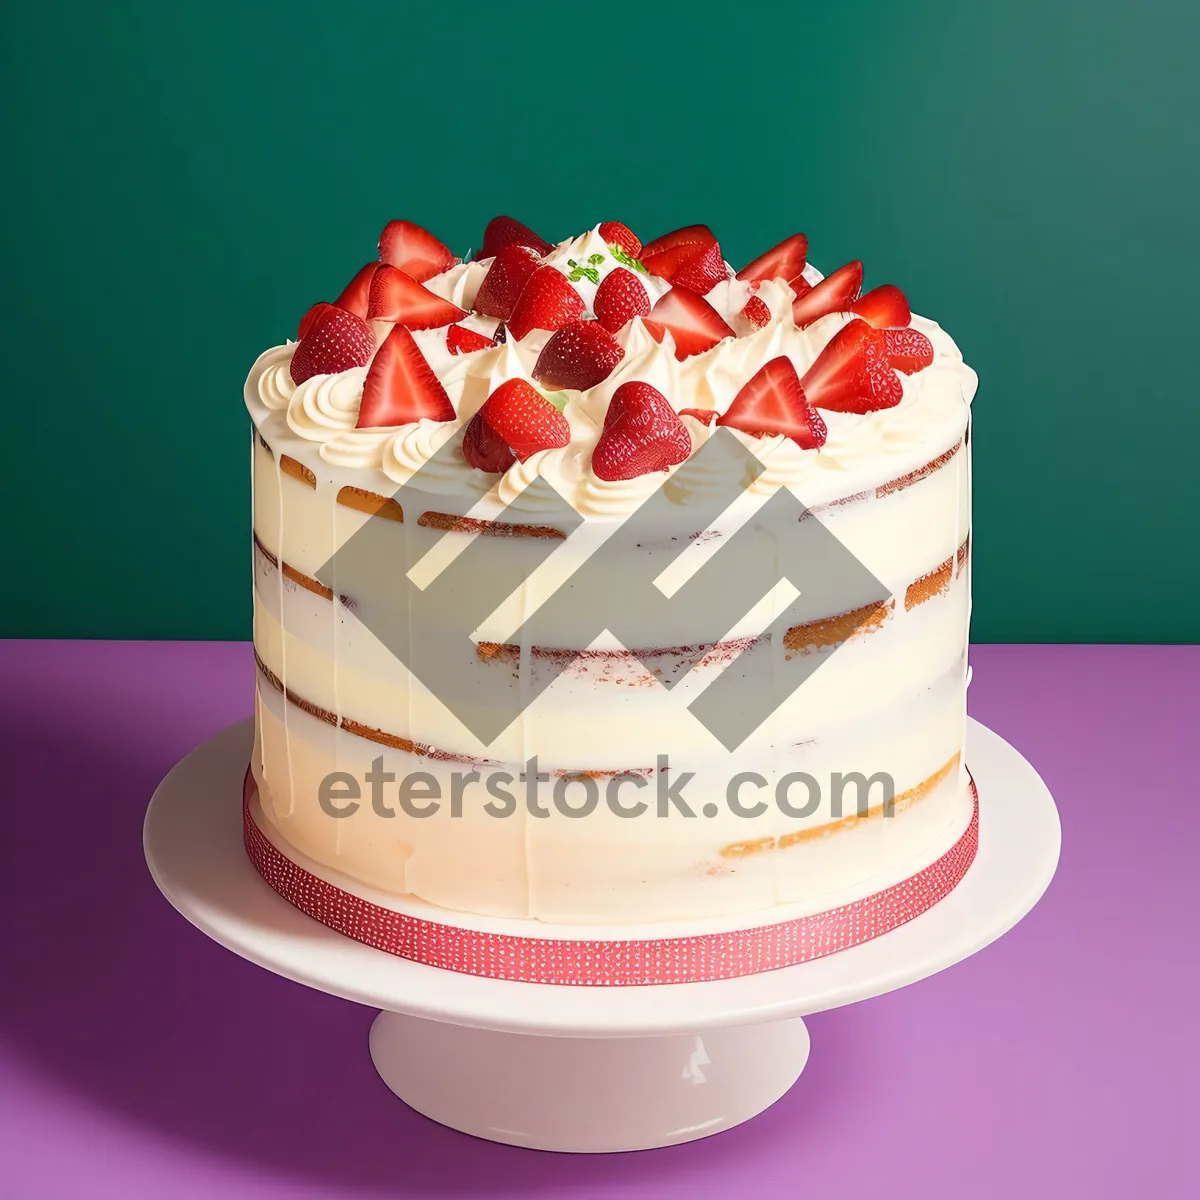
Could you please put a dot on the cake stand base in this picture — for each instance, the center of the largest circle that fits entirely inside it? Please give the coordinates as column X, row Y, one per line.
column 587, row 1069
column 587, row 1095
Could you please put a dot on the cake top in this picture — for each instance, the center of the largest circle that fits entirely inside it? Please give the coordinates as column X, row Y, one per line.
column 600, row 365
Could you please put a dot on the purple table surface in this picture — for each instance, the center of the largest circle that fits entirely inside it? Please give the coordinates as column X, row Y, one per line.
column 141, row 1059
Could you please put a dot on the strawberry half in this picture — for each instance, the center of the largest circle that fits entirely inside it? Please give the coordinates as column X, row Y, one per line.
column 356, row 294
column 908, row 350
column 620, row 297
column 548, row 302
column 784, row 261
column 616, row 234
column 853, row 374
column 504, row 231
column 756, row 312
column 772, row 403
column 334, row 340
column 505, row 280
column 309, row 317
column 577, row 357
column 401, row 386
column 694, row 323
column 642, row 433
column 460, row 340
column 884, row 307
column 514, row 422
column 688, row 257
column 399, row 298
column 414, row 250
column 703, row 415
column 835, row 293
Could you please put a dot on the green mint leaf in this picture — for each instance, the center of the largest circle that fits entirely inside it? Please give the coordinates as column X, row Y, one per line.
column 596, row 259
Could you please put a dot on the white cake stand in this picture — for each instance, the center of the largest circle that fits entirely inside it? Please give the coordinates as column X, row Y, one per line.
column 586, row 1069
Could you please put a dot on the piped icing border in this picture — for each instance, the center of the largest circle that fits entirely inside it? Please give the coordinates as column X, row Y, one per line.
column 598, row 962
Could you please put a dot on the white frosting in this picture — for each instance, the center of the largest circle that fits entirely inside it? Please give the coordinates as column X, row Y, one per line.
column 272, row 376
column 326, row 405
column 588, row 253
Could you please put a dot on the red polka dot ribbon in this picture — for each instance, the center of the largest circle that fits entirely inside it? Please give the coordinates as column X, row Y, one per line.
column 612, row 962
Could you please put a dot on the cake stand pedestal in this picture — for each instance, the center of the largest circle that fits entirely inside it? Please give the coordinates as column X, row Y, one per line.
column 587, row 1069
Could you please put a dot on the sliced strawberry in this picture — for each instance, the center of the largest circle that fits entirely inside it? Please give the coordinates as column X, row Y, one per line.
column 689, row 235
column 578, row 356
column 835, row 293
column 334, row 340
column 703, row 415
column 756, row 312
column 356, row 294
column 504, row 231
column 884, row 307
column 773, row 403
column 515, row 421
column 414, row 250
column 784, row 261
column 642, row 433
column 460, row 340
column 694, row 323
column 688, row 257
column 616, row 234
column 908, row 350
column 401, row 386
column 702, row 272
column 799, row 286
column 852, row 374
column 548, row 302
column 397, row 297
column 620, row 297
column 309, row 317
column 505, row 280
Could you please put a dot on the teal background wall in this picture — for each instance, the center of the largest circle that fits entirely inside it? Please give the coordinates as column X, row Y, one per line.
column 183, row 180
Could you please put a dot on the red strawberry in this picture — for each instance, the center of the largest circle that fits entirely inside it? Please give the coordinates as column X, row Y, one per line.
column 703, row 415
column 616, row 234
column 833, row 294
column 695, row 324
column 773, row 402
column 702, row 272
column 356, row 293
column 460, row 340
column 578, row 356
column 504, row 231
column 309, row 317
column 401, row 386
column 799, row 286
column 756, row 312
column 334, row 341
column 908, row 350
column 414, row 250
column 505, row 280
column 548, row 302
column 514, row 422
column 852, row 374
column 399, row 298
column 884, row 307
column 688, row 257
column 784, row 261
column 642, row 433
column 620, row 297
column 689, row 235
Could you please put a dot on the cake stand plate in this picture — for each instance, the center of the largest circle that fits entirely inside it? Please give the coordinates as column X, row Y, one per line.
column 586, row 1069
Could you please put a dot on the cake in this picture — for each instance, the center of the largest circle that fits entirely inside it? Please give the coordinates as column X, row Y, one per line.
column 440, row 459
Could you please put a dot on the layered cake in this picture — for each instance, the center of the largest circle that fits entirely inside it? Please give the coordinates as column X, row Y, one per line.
column 605, row 584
